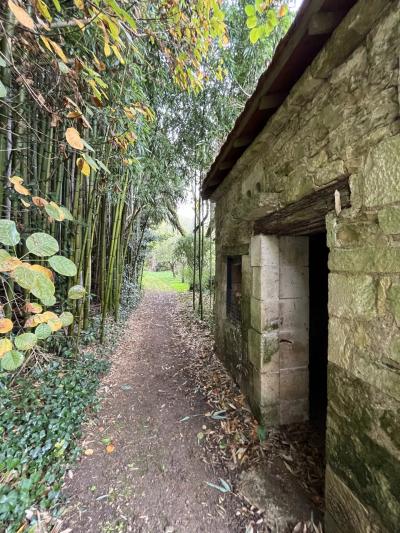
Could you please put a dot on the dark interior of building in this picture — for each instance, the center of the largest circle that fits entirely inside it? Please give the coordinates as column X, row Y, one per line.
column 318, row 354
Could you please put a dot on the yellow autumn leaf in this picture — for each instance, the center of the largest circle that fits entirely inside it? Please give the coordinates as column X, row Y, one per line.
column 83, row 166
column 58, row 50
column 110, row 448
column 118, row 54
column 33, row 321
column 55, row 324
column 46, row 43
column 48, row 315
column 5, row 346
column 21, row 189
column 88, row 451
column 79, row 4
column 32, row 307
column 9, row 264
column 21, row 15
column 5, row 325
column 46, row 271
column 44, row 10
column 38, row 201
column 74, row 139
column 15, row 180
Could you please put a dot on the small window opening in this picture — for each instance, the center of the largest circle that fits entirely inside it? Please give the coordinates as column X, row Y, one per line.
column 234, row 288
column 248, row 194
column 258, row 187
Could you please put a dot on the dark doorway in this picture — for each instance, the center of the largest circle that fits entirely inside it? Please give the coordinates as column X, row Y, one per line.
column 318, row 339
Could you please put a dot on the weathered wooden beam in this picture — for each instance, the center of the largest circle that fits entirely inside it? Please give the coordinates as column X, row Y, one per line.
column 324, row 23
column 306, row 216
column 271, row 101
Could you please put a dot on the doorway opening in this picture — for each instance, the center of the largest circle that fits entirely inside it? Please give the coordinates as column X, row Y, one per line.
column 318, row 330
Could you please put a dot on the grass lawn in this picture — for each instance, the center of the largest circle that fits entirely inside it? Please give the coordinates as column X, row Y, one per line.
column 164, row 282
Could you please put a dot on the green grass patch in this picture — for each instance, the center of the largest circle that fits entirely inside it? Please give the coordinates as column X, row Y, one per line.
column 163, row 282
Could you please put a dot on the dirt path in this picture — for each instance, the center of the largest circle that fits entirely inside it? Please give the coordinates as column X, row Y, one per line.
column 155, row 478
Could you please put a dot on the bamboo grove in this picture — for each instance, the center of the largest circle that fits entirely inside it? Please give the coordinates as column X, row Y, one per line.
column 89, row 102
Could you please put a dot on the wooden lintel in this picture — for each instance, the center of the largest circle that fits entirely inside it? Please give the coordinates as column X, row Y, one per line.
column 324, row 23
column 240, row 142
column 306, row 216
column 271, row 101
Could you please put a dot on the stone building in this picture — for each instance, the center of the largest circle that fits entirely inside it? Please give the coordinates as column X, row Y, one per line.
column 307, row 194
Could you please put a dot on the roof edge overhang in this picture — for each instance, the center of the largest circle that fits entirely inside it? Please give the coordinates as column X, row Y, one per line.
column 312, row 27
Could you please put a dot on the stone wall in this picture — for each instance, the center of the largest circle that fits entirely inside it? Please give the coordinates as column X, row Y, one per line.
column 340, row 119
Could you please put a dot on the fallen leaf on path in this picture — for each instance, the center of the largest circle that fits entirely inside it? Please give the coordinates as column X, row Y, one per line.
column 110, row 448
column 89, row 451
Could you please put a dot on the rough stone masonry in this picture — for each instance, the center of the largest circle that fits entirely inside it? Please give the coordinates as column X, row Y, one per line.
column 341, row 119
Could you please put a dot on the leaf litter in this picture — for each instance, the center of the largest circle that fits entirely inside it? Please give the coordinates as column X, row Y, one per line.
column 238, row 442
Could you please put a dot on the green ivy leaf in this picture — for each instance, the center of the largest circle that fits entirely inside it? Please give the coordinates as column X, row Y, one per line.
column 76, row 292
column 42, row 244
column 8, row 233
column 12, row 360
column 66, row 318
column 62, row 265
column 26, row 341
column 43, row 331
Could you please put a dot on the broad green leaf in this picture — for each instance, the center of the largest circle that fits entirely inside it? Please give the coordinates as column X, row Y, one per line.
column 8, row 233
column 76, row 292
column 66, row 318
column 36, row 282
column 54, row 211
column 63, row 67
column 43, row 331
column 250, row 10
column 12, row 360
column 48, row 301
column 62, row 265
column 26, row 341
column 3, row 90
column 251, row 22
column 4, row 254
column 67, row 213
column 42, row 244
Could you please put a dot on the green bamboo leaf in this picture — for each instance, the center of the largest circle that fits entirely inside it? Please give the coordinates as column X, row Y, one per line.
column 43, row 331
column 57, row 5
column 76, row 292
column 8, row 233
column 12, row 360
column 42, row 244
column 3, row 90
column 26, row 341
column 62, row 265
column 66, row 318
